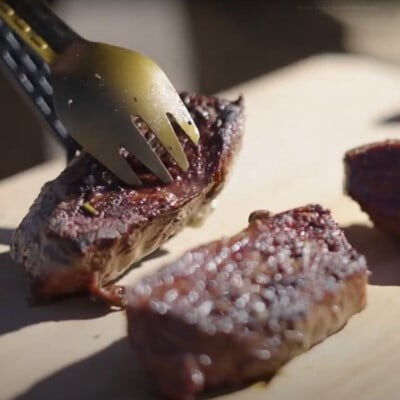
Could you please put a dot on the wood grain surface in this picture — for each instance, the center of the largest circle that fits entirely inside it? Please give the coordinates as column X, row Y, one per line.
column 300, row 121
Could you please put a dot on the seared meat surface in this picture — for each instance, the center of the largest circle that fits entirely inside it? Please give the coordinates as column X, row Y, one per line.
column 373, row 180
column 86, row 228
column 236, row 309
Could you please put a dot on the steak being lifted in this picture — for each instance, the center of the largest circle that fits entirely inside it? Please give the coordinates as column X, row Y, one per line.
column 236, row 309
column 86, row 228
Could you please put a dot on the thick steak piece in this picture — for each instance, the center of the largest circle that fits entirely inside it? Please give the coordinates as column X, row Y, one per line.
column 236, row 309
column 86, row 228
column 373, row 180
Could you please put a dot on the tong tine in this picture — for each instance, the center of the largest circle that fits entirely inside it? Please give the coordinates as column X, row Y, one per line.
column 137, row 145
column 119, row 167
column 185, row 121
column 167, row 136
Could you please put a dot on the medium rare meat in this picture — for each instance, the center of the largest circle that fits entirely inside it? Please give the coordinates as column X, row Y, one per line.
column 236, row 309
column 373, row 180
column 86, row 228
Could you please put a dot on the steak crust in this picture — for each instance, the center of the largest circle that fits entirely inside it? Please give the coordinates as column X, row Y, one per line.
column 67, row 247
column 373, row 180
column 236, row 309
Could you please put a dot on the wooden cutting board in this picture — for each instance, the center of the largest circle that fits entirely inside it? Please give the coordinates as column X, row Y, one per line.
column 300, row 121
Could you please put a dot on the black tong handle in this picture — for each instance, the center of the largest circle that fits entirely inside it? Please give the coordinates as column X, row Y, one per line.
column 45, row 23
column 29, row 72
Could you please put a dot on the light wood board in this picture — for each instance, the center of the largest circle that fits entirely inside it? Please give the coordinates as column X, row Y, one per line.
column 300, row 121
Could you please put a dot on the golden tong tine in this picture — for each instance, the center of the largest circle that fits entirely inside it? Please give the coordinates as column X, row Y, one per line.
column 98, row 89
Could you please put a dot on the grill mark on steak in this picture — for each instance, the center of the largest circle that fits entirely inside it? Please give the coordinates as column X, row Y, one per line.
column 236, row 309
column 66, row 249
column 373, row 180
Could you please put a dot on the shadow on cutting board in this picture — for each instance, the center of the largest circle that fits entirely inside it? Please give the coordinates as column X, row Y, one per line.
column 16, row 311
column 113, row 373
column 389, row 119
column 6, row 236
column 381, row 250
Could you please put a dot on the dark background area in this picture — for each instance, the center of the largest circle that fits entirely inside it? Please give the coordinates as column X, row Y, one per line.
column 205, row 46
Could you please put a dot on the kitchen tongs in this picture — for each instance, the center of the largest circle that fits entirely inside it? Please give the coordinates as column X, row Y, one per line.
column 97, row 90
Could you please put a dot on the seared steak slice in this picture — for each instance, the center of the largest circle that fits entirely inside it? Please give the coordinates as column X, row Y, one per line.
column 236, row 309
column 373, row 180
column 86, row 228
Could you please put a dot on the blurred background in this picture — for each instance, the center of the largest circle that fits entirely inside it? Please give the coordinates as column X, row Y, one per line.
column 206, row 46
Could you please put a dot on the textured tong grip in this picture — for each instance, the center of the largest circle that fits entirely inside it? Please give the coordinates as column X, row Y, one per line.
column 32, row 74
column 45, row 23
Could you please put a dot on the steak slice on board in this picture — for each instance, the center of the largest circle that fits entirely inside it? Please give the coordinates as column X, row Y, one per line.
column 373, row 181
column 236, row 309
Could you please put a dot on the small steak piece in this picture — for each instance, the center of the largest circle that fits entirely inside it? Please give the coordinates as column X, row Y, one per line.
column 86, row 228
column 235, row 310
column 373, row 180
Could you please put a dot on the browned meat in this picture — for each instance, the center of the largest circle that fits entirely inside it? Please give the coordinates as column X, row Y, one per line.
column 236, row 309
column 373, row 180
column 86, row 228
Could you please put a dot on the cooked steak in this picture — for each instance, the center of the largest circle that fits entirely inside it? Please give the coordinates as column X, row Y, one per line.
column 236, row 309
column 86, row 228
column 373, row 180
